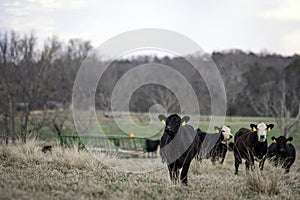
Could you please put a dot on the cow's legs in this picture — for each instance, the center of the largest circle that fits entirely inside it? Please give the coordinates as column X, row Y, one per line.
column 184, row 172
column 261, row 163
column 287, row 165
column 249, row 163
column 213, row 159
column 237, row 162
column 222, row 160
column 223, row 154
column 173, row 171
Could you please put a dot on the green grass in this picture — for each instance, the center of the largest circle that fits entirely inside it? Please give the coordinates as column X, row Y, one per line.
column 110, row 128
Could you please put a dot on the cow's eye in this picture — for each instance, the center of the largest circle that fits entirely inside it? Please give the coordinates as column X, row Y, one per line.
column 223, row 131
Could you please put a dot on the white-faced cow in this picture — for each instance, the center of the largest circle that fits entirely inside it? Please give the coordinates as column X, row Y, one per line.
column 214, row 145
column 251, row 145
column 282, row 152
column 178, row 146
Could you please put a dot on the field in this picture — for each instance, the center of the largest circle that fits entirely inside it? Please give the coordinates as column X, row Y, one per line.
column 66, row 173
column 142, row 119
column 27, row 173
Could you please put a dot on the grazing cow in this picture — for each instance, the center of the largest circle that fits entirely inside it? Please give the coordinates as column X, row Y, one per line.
column 282, row 152
column 152, row 146
column 178, row 146
column 251, row 145
column 214, row 145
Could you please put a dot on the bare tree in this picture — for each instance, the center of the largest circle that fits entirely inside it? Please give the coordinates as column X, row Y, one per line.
column 164, row 97
column 10, row 58
column 284, row 105
column 270, row 96
column 23, row 75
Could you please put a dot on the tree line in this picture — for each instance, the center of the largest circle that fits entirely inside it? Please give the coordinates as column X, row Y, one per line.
column 36, row 84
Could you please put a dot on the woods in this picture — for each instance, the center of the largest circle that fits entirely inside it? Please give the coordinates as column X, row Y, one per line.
column 39, row 78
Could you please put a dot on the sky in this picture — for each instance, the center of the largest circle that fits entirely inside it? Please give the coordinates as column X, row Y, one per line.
column 249, row 25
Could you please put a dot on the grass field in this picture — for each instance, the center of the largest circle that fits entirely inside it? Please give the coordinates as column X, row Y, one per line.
column 27, row 173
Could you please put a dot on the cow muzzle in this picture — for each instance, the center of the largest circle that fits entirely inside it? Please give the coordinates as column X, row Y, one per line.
column 262, row 138
column 169, row 128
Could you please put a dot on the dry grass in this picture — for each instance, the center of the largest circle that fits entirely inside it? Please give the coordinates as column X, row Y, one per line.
column 27, row 173
column 265, row 183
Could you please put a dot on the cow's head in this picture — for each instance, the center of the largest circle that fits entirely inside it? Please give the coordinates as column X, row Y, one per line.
column 281, row 143
column 261, row 129
column 225, row 131
column 172, row 123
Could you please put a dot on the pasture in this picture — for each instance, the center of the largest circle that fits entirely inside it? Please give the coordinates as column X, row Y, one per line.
column 66, row 173
column 142, row 119
column 27, row 173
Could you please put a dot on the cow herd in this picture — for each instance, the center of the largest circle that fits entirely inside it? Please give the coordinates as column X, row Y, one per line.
column 181, row 143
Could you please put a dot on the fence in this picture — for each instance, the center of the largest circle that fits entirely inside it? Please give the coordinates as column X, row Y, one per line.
column 108, row 144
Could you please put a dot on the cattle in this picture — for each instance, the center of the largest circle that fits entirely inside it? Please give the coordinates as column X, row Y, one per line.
column 282, row 152
column 214, row 145
column 251, row 145
column 152, row 146
column 178, row 146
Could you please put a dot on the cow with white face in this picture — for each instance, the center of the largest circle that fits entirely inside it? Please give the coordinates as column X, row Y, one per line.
column 251, row 145
column 226, row 132
column 214, row 145
column 262, row 130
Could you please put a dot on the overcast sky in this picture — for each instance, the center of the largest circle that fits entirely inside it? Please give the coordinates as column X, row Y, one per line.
column 252, row 25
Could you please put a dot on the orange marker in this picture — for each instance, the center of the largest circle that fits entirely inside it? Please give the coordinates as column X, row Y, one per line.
column 131, row 135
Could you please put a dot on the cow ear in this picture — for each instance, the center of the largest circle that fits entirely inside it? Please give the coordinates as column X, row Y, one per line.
column 184, row 120
column 289, row 140
column 253, row 127
column 273, row 139
column 270, row 126
column 217, row 129
column 162, row 118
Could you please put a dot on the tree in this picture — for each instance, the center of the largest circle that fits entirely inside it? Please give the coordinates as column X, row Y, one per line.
column 286, row 109
column 269, row 95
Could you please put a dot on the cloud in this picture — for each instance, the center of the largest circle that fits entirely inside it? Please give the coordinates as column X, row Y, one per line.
column 291, row 42
column 285, row 10
column 43, row 5
column 36, row 15
column 252, row 25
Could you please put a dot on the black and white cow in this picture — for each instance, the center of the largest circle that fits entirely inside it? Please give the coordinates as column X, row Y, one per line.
column 178, row 146
column 214, row 145
column 251, row 145
column 282, row 152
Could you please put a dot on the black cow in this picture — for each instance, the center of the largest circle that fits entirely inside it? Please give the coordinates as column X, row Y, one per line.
column 152, row 146
column 251, row 145
column 282, row 152
column 178, row 146
column 214, row 145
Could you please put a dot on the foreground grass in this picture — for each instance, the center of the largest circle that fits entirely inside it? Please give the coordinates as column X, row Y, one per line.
column 27, row 173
